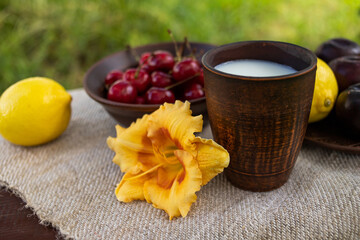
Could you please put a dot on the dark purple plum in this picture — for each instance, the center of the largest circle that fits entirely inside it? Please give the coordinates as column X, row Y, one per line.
column 346, row 70
column 347, row 108
column 337, row 47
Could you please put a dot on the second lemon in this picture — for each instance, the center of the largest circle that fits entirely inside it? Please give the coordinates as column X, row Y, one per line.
column 325, row 92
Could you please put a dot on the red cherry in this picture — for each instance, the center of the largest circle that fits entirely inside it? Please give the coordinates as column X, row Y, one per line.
column 200, row 79
column 111, row 77
column 161, row 60
column 186, row 68
column 146, row 68
column 139, row 78
column 159, row 95
column 160, row 79
column 144, row 57
column 140, row 100
column 193, row 91
column 122, row 91
column 143, row 61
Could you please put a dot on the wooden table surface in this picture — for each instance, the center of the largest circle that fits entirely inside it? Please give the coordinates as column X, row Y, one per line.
column 18, row 222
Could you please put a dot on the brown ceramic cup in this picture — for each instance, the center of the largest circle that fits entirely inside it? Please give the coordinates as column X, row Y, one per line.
column 261, row 121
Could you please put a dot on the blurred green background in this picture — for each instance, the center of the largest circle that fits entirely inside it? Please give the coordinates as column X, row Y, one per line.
column 61, row 39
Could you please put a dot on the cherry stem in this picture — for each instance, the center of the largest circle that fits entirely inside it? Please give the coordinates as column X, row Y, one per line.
column 133, row 53
column 137, row 72
column 175, row 44
column 182, row 51
column 137, row 58
column 182, row 82
column 187, row 43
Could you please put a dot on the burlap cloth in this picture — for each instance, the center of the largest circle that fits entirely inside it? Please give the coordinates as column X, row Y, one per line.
column 70, row 184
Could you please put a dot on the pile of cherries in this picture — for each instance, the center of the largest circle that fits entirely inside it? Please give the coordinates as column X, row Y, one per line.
column 159, row 77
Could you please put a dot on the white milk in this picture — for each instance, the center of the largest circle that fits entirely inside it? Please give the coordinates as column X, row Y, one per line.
column 255, row 68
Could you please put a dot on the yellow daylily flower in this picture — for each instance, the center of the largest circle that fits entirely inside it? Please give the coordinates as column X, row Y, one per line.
column 164, row 163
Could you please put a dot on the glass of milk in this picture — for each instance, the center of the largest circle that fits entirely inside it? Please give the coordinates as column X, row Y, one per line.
column 258, row 96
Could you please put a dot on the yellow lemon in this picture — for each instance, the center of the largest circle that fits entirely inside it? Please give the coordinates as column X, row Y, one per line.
column 325, row 92
column 34, row 111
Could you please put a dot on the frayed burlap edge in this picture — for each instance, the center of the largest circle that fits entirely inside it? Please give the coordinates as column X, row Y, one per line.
column 61, row 233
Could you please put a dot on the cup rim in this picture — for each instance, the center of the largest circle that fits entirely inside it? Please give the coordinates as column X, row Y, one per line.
column 310, row 68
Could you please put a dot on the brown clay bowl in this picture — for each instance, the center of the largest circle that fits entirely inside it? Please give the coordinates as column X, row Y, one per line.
column 126, row 113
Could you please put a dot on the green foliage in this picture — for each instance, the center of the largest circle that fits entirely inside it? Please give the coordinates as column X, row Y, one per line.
column 62, row 39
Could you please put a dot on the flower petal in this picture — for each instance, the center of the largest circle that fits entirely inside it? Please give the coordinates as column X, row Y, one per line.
column 177, row 199
column 131, row 188
column 133, row 147
column 167, row 174
column 176, row 119
column 211, row 157
column 163, row 146
column 164, row 162
column 132, row 184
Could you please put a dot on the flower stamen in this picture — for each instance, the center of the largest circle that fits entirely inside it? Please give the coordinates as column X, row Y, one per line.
column 144, row 173
column 134, row 146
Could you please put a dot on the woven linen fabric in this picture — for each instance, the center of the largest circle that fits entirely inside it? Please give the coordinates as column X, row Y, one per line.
column 70, row 183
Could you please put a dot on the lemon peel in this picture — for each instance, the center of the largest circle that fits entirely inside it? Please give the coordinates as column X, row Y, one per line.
column 34, row 111
column 325, row 92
